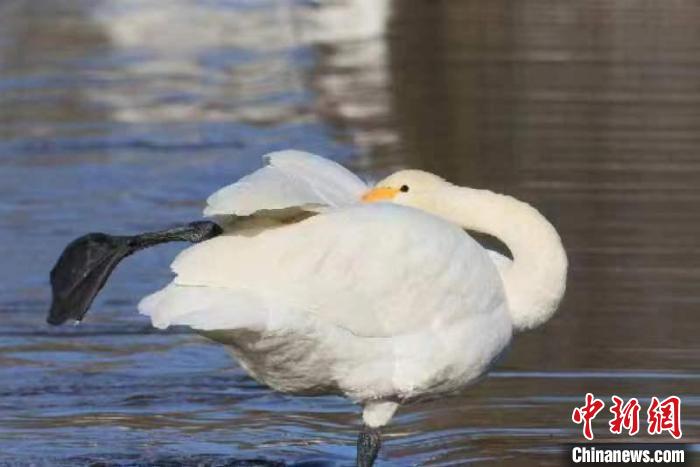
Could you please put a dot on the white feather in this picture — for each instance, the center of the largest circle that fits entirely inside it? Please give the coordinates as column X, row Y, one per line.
column 356, row 288
column 200, row 307
column 502, row 262
column 290, row 179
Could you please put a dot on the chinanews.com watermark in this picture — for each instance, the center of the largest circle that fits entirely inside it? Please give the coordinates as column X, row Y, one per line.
column 659, row 419
column 616, row 454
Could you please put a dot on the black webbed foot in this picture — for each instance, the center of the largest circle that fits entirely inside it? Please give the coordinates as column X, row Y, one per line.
column 87, row 262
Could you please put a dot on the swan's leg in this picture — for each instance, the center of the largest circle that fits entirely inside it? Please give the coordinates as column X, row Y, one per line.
column 368, row 444
column 87, row 262
column 375, row 415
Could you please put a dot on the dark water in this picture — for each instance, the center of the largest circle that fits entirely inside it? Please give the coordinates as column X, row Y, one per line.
column 124, row 116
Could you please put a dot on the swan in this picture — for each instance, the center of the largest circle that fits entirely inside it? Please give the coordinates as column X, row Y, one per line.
column 320, row 284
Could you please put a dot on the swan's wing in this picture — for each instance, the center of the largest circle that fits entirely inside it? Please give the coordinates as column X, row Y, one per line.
column 376, row 270
column 190, row 306
column 291, row 179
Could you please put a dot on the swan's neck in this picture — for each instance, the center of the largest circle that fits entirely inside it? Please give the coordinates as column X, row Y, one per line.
column 536, row 280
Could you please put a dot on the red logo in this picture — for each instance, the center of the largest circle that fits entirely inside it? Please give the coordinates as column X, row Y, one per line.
column 662, row 416
column 626, row 416
column 587, row 413
column 665, row 416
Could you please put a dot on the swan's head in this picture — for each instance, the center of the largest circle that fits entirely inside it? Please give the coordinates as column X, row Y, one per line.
column 413, row 188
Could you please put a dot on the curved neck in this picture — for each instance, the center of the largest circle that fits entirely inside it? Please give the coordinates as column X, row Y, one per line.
column 536, row 280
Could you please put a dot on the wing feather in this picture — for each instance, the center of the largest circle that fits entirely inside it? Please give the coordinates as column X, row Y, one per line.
column 376, row 270
column 290, row 179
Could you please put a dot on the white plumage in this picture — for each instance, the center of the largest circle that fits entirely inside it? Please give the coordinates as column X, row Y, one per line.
column 292, row 179
column 384, row 302
column 359, row 273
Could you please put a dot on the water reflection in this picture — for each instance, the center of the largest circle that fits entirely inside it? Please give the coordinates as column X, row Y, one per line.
column 188, row 61
column 586, row 115
column 123, row 116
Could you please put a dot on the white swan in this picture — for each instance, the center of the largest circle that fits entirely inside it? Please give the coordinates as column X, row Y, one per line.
column 322, row 285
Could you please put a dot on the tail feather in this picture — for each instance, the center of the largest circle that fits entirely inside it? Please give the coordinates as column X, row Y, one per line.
column 206, row 308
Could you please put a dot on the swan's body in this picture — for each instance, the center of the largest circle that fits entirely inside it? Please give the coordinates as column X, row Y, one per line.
column 317, row 288
column 330, row 303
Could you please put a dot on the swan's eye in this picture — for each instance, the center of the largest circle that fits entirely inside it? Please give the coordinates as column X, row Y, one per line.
column 404, row 188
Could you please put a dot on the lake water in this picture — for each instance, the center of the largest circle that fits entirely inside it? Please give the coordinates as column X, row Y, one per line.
column 122, row 116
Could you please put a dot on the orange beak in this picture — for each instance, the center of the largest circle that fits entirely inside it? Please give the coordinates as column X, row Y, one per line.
column 379, row 194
